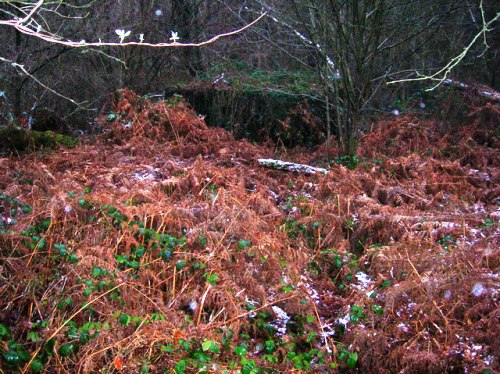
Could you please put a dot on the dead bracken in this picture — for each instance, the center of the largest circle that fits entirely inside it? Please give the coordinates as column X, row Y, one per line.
column 162, row 244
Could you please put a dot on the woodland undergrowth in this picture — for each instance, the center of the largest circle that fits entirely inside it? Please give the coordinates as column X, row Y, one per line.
column 162, row 246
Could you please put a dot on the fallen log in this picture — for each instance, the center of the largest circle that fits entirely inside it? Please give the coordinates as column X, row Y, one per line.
column 290, row 166
column 486, row 92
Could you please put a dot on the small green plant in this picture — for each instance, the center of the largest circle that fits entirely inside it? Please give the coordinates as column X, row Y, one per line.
column 211, row 278
column 351, row 162
column 356, row 314
column 15, row 355
column 112, row 117
column 210, row 345
column 202, row 240
column 175, row 100
column 351, row 358
column 377, row 309
column 487, row 223
column 242, row 244
column 447, row 242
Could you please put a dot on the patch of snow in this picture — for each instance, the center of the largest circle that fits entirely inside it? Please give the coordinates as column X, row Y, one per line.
column 253, row 303
column 447, row 294
column 143, row 176
column 364, row 282
column 68, row 209
column 313, row 294
column 479, row 208
column 478, row 289
column 193, row 305
column 488, row 360
column 406, row 309
column 450, row 225
column 482, row 175
column 327, row 330
column 492, row 275
column 403, row 327
column 281, row 320
column 344, row 320
column 363, row 278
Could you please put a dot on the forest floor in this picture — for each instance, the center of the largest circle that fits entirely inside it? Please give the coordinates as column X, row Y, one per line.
column 162, row 246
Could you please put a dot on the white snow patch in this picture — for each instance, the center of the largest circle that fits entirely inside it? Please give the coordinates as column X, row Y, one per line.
column 403, row 327
column 478, row 289
column 345, row 319
column 364, row 282
column 327, row 330
column 363, row 278
column 482, row 175
column 253, row 303
column 450, row 225
column 193, row 305
column 313, row 294
column 488, row 360
column 281, row 320
column 492, row 275
column 144, row 176
column 479, row 208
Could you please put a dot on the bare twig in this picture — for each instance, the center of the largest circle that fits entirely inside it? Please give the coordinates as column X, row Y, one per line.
column 441, row 76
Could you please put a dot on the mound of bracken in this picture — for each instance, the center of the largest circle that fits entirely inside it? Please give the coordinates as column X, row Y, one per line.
column 163, row 246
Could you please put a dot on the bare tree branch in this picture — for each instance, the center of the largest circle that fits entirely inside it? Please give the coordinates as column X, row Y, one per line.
column 441, row 76
column 23, row 26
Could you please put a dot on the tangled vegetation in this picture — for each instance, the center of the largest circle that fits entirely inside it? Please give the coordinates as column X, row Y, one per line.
column 162, row 246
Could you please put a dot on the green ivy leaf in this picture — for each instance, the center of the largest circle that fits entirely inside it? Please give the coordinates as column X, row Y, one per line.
column 121, row 259
column 12, row 357
column 180, row 264
column 66, row 349
column 139, row 252
column 125, row 319
column 180, row 367
column 244, row 244
column 270, row 346
column 377, row 309
column 36, row 366
column 240, row 351
column 166, row 255
column 73, row 257
column 134, row 265
column 212, row 279
column 4, row 331
column 352, row 360
column 96, row 272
